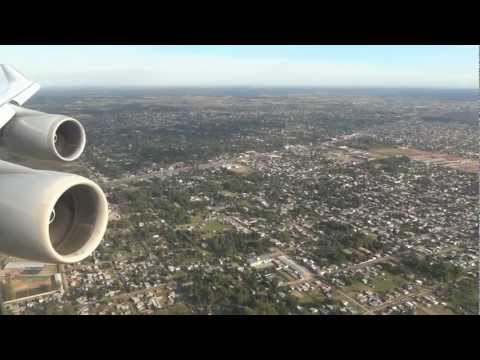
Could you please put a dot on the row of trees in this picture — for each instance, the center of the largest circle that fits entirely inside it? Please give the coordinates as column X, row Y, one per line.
column 223, row 293
column 427, row 267
column 335, row 237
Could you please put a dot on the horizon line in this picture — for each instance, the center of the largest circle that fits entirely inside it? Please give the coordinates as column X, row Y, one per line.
column 365, row 87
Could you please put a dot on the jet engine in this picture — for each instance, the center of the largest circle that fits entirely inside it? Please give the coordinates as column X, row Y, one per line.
column 45, row 216
column 49, row 216
column 44, row 136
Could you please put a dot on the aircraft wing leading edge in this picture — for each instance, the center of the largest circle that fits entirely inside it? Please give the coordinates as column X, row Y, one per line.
column 19, row 90
column 6, row 113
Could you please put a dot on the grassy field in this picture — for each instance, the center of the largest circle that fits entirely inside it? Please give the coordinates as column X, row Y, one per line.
column 464, row 299
column 383, row 284
column 30, row 285
column 380, row 284
column 177, row 309
column 433, row 310
column 355, row 288
column 311, row 298
column 194, row 221
column 212, row 227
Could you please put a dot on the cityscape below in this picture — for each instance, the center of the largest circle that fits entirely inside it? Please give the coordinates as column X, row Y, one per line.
column 275, row 201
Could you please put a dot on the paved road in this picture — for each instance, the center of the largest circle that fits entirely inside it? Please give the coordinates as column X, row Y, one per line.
column 352, row 300
column 370, row 262
column 163, row 174
column 127, row 295
column 364, row 264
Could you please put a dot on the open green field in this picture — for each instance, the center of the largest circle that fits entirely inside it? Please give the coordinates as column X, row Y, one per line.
column 196, row 219
column 311, row 298
column 355, row 288
column 212, row 227
column 380, row 284
column 433, row 310
column 389, row 282
column 464, row 298
column 177, row 309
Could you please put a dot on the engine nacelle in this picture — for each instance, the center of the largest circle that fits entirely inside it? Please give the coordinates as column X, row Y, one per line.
column 44, row 136
column 50, row 216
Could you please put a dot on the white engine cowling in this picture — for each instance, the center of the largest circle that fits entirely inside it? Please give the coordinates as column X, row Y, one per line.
column 50, row 216
column 44, row 136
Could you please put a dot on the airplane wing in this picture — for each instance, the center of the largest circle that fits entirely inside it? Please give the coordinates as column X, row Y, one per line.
column 19, row 90
column 6, row 113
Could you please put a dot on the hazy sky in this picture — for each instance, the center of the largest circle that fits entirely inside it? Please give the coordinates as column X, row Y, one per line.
column 345, row 66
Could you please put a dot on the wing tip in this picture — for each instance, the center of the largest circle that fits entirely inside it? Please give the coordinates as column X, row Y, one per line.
column 24, row 88
column 12, row 74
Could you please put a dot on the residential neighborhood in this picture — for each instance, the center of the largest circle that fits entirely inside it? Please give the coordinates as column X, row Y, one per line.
column 282, row 204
